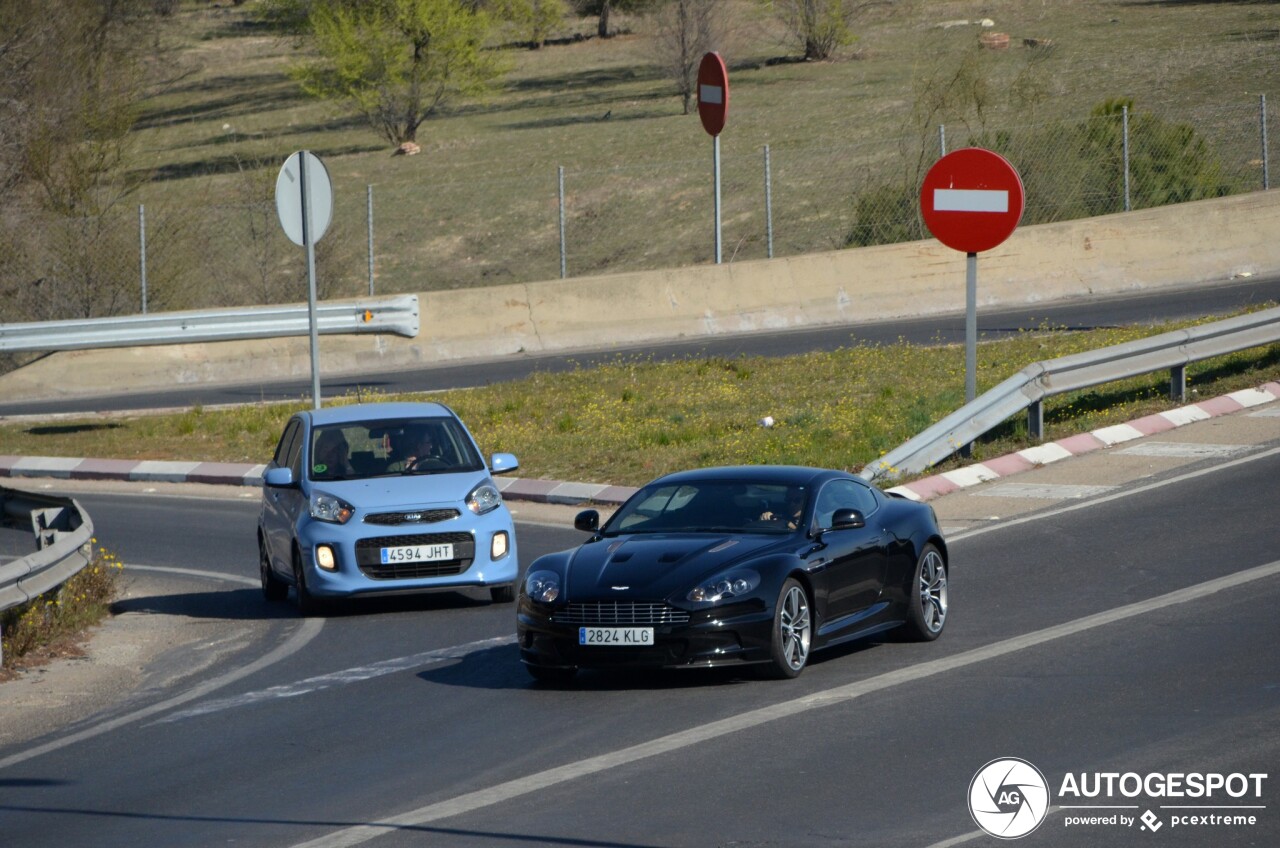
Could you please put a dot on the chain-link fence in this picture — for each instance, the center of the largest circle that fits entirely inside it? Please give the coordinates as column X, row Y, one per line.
column 224, row 246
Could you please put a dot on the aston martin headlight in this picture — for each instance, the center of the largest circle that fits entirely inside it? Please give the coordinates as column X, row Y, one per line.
column 484, row 498
column 542, row 586
column 735, row 584
column 328, row 508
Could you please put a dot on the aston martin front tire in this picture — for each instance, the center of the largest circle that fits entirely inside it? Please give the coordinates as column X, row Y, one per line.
column 792, row 632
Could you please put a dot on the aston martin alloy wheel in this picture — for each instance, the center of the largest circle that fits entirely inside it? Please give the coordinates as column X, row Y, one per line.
column 792, row 631
column 928, row 597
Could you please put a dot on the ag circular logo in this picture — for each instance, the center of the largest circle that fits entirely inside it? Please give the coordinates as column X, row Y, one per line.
column 1008, row 798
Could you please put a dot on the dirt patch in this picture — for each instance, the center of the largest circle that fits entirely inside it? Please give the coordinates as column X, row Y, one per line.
column 129, row 653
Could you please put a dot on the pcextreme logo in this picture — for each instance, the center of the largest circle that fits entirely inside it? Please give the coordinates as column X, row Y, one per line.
column 1009, row 798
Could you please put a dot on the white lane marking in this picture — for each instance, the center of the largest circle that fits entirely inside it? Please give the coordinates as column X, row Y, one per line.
column 511, row 789
column 341, row 678
column 192, row 572
column 309, row 629
column 1188, row 450
column 1122, row 493
column 1044, row 491
column 969, row 200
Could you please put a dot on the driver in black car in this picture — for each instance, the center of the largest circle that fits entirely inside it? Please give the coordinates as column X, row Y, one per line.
column 792, row 510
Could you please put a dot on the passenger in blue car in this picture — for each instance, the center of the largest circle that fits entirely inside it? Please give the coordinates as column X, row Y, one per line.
column 331, row 459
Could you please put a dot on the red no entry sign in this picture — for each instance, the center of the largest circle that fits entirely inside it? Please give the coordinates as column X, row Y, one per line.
column 971, row 199
column 713, row 93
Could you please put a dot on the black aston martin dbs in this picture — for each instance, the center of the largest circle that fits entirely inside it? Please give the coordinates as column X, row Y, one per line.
column 720, row 566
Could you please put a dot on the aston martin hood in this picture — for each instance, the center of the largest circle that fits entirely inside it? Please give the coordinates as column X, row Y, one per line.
column 653, row 567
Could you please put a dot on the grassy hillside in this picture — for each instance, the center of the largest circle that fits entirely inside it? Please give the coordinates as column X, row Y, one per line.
column 479, row 204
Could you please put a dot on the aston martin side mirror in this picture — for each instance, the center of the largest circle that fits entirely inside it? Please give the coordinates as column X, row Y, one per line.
column 588, row 521
column 847, row 519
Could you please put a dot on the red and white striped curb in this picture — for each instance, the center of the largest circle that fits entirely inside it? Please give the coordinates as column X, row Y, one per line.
column 947, row 482
column 244, row 474
column 560, row 492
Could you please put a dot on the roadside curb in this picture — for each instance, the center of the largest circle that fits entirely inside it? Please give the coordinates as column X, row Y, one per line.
column 937, row 485
column 562, row 492
column 245, row 474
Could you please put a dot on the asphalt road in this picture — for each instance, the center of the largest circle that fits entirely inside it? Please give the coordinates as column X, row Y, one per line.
column 1094, row 638
column 1073, row 315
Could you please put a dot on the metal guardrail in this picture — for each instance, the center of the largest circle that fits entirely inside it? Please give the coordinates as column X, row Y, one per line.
column 397, row 315
column 1029, row 387
column 63, row 534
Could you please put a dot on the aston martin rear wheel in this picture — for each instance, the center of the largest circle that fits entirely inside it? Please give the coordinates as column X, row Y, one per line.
column 927, row 597
column 792, row 631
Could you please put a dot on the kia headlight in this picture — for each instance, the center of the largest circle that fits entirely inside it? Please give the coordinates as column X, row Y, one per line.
column 484, row 498
column 542, row 586
column 735, row 584
column 328, row 508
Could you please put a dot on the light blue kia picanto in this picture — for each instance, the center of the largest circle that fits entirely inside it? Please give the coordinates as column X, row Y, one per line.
column 383, row 499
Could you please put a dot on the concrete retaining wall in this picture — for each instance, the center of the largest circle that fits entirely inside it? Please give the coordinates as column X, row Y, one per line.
column 1206, row 242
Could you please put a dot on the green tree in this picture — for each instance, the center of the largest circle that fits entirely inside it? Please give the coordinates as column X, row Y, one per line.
column 532, row 20
column 73, row 74
column 400, row 61
column 821, row 27
column 685, row 31
column 1168, row 163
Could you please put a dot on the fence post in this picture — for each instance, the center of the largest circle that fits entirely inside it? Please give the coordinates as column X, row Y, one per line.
column 369, row 194
column 942, row 140
column 1178, row 383
column 1127, row 206
column 768, row 202
column 1035, row 420
column 1262, row 116
column 564, row 264
column 142, row 252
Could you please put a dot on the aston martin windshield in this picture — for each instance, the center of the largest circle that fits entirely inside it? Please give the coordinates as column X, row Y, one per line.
column 712, row 506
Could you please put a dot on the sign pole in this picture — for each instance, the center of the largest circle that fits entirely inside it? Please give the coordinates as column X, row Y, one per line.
column 715, row 146
column 970, row 337
column 971, row 200
column 304, row 202
column 713, row 109
column 311, row 280
column 971, row 327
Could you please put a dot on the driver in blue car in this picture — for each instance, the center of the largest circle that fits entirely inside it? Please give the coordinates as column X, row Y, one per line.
column 416, row 446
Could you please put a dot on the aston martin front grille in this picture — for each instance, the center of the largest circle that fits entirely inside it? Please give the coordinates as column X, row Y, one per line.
column 620, row 613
